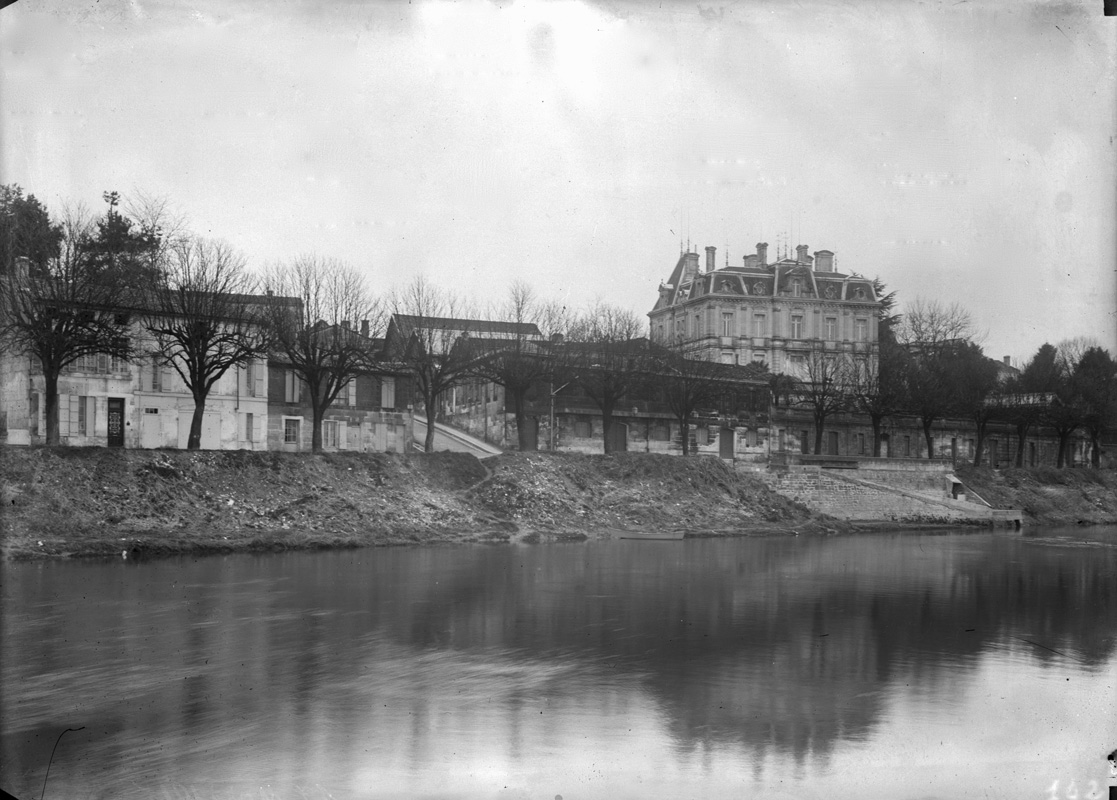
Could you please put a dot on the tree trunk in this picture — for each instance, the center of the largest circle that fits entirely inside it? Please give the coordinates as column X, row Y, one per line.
column 50, row 406
column 1061, row 460
column 1021, row 440
column 927, row 435
column 818, row 424
column 979, row 446
column 607, row 426
column 1095, row 450
column 525, row 441
column 684, row 427
column 194, row 440
column 428, row 440
column 317, row 411
column 876, row 421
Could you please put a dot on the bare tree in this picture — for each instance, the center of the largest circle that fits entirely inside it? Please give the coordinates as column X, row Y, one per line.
column 931, row 325
column 313, row 334
column 688, row 385
column 975, row 378
column 427, row 323
column 607, row 355
column 932, row 334
column 516, row 360
column 825, row 389
column 1096, row 375
column 1025, row 397
column 64, row 310
column 202, row 320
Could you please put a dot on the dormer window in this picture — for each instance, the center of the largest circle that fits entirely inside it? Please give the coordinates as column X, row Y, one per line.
column 797, row 287
column 859, row 293
column 758, row 288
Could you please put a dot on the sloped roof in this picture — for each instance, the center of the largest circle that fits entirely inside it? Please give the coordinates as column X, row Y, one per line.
column 406, row 323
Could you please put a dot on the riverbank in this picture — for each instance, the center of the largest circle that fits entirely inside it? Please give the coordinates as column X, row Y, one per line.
column 81, row 502
column 89, row 502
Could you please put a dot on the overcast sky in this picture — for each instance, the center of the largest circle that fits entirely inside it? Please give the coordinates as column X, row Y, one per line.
column 959, row 151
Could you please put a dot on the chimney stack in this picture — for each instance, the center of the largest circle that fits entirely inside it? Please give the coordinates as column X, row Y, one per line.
column 1008, row 361
column 762, row 253
column 364, row 328
column 824, row 261
column 710, row 265
column 801, row 256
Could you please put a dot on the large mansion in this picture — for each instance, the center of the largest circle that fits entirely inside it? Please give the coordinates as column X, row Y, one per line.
column 777, row 313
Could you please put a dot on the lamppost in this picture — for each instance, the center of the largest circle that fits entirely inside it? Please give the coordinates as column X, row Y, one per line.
column 555, row 391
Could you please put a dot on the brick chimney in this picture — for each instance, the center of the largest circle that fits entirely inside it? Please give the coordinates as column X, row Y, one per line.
column 801, row 256
column 762, row 253
column 710, row 261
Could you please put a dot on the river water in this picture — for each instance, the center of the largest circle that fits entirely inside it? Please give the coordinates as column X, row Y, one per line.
column 946, row 665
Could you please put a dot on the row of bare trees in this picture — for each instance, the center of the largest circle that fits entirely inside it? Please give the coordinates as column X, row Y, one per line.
column 137, row 285
column 930, row 365
column 79, row 285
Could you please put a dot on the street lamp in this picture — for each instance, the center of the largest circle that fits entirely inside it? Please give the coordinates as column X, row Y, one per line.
column 555, row 391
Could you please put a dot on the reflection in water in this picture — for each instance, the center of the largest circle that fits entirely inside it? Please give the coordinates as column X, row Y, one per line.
column 871, row 666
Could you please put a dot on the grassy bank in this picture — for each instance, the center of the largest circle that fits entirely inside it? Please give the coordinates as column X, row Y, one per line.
column 1076, row 496
column 99, row 502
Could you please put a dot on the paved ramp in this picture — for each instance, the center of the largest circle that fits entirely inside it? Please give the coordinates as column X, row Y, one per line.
column 447, row 438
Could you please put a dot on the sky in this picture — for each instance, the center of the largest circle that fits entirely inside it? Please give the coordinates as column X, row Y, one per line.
column 959, row 151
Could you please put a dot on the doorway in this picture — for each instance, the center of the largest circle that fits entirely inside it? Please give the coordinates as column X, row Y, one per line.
column 116, row 422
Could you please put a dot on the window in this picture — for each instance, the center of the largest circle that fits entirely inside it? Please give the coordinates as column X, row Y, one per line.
column 798, row 359
column 757, row 358
column 85, row 415
column 329, row 433
column 861, row 328
column 582, row 429
column 250, row 380
column 291, row 431
column 291, row 388
column 727, row 357
column 907, row 445
column 151, row 411
column 796, row 327
column 726, row 324
column 249, row 424
column 831, row 328
column 351, row 393
column 861, row 443
column 797, row 287
column 759, row 325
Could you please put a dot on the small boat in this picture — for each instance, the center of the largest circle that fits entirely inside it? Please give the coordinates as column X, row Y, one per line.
column 652, row 535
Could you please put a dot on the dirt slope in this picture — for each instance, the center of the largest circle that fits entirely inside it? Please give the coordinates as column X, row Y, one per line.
column 76, row 501
column 1076, row 496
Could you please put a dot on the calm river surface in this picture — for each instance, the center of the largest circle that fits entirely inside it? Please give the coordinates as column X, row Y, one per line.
column 947, row 665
